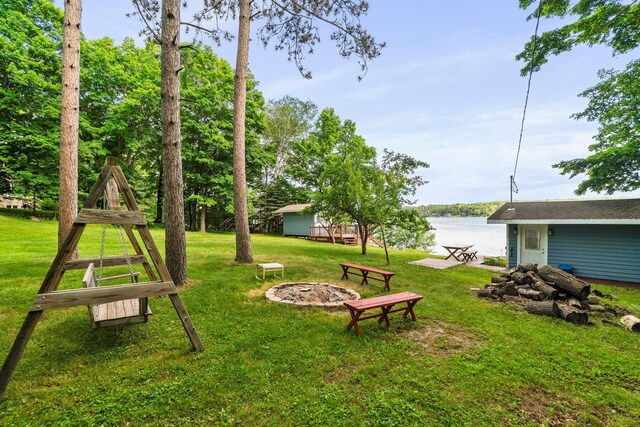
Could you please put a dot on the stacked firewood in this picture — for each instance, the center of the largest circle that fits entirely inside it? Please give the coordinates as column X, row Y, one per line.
column 549, row 291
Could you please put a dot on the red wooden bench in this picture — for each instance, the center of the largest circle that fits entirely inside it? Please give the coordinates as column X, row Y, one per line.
column 364, row 273
column 385, row 303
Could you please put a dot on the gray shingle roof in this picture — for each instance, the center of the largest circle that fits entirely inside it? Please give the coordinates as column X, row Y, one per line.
column 612, row 211
column 293, row 208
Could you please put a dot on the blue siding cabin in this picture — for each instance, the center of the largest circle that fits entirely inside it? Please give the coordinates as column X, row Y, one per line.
column 295, row 222
column 599, row 239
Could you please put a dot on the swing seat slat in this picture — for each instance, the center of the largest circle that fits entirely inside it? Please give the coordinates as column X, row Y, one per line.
column 115, row 313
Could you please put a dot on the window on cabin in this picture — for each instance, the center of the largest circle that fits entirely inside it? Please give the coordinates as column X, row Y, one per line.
column 532, row 240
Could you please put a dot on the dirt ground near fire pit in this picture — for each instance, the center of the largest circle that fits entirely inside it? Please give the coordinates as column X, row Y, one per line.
column 439, row 338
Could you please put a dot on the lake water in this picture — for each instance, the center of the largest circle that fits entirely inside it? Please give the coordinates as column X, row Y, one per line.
column 487, row 239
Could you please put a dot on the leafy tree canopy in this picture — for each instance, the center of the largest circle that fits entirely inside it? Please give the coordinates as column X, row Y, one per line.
column 613, row 23
column 615, row 162
column 30, row 41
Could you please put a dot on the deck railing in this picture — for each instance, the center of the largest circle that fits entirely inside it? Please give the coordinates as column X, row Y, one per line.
column 339, row 231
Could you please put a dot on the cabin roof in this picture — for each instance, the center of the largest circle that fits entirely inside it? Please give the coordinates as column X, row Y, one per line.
column 604, row 211
column 293, row 208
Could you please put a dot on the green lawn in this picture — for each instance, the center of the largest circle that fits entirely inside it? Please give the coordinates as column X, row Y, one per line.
column 464, row 362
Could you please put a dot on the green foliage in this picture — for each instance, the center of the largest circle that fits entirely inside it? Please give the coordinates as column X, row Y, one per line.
column 615, row 162
column 495, row 261
column 608, row 22
column 120, row 113
column 344, row 179
column 460, row 209
column 268, row 364
column 30, row 37
column 287, row 120
column 207, row 87
column 409, row 230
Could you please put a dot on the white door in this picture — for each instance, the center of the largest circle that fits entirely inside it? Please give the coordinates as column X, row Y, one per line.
column 532, row 244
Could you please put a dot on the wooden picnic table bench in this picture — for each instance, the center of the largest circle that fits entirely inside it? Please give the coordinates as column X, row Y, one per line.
column 364, row 273
column 469, row 255
column 385, row 303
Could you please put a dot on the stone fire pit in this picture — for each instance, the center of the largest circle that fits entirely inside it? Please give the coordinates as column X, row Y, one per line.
column 311, row 294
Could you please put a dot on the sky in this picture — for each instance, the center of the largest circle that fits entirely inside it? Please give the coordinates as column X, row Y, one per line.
column 446, row 90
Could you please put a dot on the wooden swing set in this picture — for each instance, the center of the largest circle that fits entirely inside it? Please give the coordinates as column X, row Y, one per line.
column 112, row 305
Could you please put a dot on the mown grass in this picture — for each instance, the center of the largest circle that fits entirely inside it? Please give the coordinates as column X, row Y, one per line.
column 464, row 362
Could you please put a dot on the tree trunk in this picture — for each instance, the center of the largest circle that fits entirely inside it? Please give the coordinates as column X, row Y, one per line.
column 241, row 211
column 175, row 241
column 384, row 242
column 69, row 118
column 191, row 214
column 364, row 234
column 203, row 219
column 159, row 196
column 565, row 282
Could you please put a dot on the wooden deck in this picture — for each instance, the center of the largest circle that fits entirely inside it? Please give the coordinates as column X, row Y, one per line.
column 343, row 234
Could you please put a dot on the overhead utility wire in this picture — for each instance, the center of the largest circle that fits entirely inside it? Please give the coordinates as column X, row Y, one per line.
column 526, row 99
column 512, row 181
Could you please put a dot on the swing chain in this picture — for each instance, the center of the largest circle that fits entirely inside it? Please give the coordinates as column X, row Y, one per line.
column 125, row 251
column 102, row 242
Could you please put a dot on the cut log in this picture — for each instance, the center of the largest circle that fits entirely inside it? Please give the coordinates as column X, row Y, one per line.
column 598, row 308
column 593, row 300
column 548, row 291
column 565, row 281
column 572, row 314
column 631, row 322
column 487, row 293
column 543, row 308
column 507, row 290
column 511, row 298
column 531, row 294
column 524, row 268
column 499, row 279
column 575, row 303
column 519, row 278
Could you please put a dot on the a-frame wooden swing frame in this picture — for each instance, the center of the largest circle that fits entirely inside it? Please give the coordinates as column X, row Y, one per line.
column 49, row 297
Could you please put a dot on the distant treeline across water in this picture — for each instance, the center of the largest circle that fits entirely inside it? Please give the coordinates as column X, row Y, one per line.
column 483, row 209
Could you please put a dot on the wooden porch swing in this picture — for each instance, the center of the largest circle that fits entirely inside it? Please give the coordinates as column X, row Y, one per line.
column 98, row 298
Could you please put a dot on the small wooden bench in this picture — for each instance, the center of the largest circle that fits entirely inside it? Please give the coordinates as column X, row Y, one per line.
column 385, row 303
column 364, row 273
column 469, row 256
column 268, row 267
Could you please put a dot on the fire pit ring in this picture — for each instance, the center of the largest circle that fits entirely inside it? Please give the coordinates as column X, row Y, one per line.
column 311, row 294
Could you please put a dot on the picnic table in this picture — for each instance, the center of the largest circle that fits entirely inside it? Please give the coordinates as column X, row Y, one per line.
column 457, row 251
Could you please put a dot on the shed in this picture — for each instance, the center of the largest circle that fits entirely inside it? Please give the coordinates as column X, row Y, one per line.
column 295, row 222
column 600, row 239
